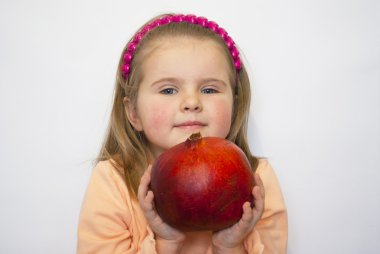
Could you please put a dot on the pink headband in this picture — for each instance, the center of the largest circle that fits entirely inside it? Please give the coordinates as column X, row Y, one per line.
column 201, row 21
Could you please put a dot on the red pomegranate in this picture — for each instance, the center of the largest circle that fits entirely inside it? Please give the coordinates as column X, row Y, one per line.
column 202, row 184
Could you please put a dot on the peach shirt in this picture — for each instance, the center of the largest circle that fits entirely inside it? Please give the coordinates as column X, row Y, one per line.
column 112, row 222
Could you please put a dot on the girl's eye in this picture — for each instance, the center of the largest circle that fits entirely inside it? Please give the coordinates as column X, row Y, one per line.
column 209, row 90
column 168, row 91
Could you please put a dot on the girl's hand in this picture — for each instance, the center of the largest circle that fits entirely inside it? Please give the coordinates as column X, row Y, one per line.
column 230, row 240
column 168, row 239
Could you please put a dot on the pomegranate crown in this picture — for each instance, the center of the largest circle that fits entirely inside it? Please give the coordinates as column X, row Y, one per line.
column 178, row 18
column 193, row 140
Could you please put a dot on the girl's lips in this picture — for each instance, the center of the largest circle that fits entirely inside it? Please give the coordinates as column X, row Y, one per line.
column 190, row 125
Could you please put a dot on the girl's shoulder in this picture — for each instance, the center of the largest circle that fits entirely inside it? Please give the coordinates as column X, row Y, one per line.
column 266, row 171
column 108, row 167
column 108, row 174
column 263, row 165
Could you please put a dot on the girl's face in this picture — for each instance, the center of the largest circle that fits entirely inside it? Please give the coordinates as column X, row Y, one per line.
column 185, row 88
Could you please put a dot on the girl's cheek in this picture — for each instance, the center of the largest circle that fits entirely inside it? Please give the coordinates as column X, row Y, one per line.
column 159, row 115
column 223, row 109
column 222, row 115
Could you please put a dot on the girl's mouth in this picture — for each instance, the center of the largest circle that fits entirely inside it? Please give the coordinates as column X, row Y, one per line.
column 190, row 125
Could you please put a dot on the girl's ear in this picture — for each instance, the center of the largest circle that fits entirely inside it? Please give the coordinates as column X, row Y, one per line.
column 133, row 118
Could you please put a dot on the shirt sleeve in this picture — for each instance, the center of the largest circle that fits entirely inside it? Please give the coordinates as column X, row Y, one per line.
column 108, row 222
column 271, row 232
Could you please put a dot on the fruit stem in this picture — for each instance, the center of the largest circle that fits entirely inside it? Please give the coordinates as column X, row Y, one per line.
column 193, row 140
column 195, row 136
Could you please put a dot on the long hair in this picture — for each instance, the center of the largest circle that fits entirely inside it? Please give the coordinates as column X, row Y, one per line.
column 124, row 146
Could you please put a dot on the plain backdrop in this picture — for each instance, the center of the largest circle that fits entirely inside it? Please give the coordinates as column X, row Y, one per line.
column 315, row 70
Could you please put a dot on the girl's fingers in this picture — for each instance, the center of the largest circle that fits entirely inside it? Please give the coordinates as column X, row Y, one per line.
column 144, row 186
column 145, row 196
column 247, row 213
column 149, row 211
column 258, row 193
column 245, row 222
column 146, row 199
column 259, row 182
column 259, row 199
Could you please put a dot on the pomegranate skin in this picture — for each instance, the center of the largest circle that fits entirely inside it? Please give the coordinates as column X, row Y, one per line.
column 202, row 184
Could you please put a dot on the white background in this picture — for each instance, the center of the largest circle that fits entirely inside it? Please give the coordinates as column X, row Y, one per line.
column 315, row 67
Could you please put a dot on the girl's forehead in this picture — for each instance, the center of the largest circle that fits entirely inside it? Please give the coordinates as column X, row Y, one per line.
column 162, row 44
column 187, row 40
column 186, row 46
column 186, row 56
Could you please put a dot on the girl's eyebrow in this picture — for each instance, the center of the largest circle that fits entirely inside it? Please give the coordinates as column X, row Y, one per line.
column 177, row 81
column 167, row 79
column 210, row 80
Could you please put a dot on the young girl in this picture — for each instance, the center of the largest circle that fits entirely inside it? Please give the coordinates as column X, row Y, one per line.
column 177, row 75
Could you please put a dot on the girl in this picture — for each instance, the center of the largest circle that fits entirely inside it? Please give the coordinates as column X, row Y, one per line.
column 177, row 75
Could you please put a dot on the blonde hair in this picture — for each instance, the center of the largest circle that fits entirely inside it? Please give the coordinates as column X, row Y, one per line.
column 126, row 147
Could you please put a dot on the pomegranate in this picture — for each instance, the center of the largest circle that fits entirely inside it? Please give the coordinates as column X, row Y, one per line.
column 202, row 184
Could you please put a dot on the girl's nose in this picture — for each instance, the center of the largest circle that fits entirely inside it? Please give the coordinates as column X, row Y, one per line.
column 191, row 103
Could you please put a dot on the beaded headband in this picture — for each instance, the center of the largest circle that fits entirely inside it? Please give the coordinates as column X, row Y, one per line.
column 179, row 18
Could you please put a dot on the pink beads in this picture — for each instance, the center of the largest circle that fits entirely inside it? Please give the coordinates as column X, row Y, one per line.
column 192, row 19
column 178, row 18
column 132, row 47
column 202, row 21
column 125, row 68
column 222, row 33
column 127, row 57
column 166, row 20
column 213, row 26
column 237, row 64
